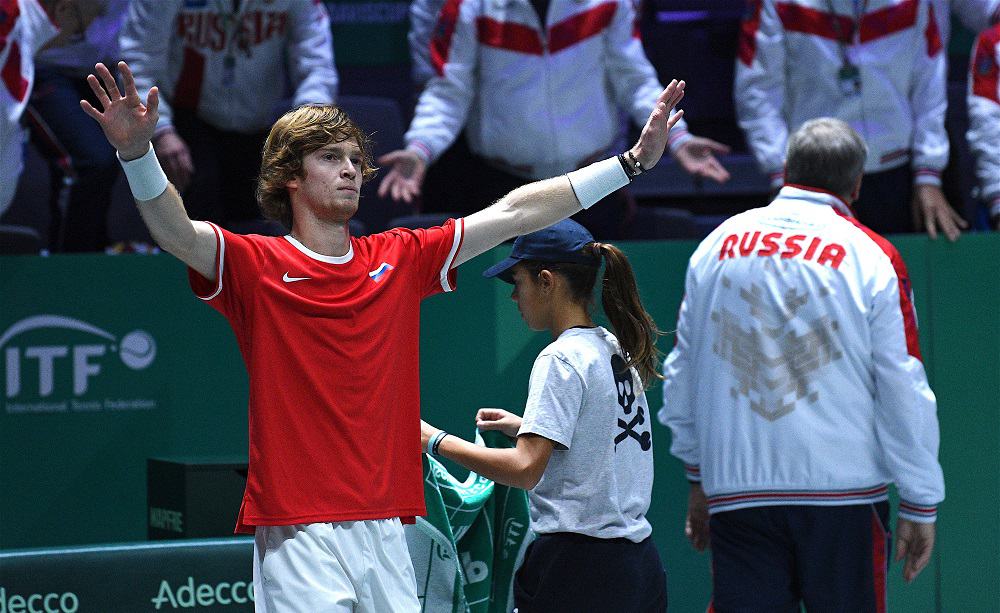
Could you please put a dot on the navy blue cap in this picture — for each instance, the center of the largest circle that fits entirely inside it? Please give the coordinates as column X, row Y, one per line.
column 563, row 241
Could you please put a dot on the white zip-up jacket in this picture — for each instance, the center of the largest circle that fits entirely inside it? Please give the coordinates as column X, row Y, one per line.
column 539, row 102
column 796, row 378
column 182, row 47
column 25, row 27
column 787, row 73
column 984, row 115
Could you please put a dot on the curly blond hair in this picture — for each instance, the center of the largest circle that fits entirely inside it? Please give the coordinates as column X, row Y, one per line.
column 295, row 135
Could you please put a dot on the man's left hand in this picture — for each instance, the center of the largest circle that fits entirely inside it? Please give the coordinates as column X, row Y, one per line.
column 914, row 543
column 697, row 157
column 931, row 210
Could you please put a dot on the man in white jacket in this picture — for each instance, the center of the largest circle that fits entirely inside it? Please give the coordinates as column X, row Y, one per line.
column 223, row 66
column 984, row 119
column 878, row 65
column 796, row 393
column 538, row 87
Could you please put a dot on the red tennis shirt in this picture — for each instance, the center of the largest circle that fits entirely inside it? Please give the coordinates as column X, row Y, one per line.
column 331, row 345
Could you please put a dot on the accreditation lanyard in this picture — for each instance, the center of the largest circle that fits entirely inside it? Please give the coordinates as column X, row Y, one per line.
column 236, row 39
column 848, row 76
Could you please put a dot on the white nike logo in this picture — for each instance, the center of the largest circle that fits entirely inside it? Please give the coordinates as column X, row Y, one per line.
column 288, row 279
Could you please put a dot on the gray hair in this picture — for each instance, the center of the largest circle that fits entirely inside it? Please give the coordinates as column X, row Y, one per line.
column 826, row 153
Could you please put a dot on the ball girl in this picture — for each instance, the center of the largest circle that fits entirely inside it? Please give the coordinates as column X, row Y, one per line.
column 583, row 448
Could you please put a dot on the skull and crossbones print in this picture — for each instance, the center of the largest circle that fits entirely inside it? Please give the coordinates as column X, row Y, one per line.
column 626, row 398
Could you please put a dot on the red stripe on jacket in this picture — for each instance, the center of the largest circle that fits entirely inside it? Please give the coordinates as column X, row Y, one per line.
column 795, row 18
column 748, row 33
column 890, row 20
column 188, row 91
column 581, row 26
column 510, row 36
column 903, row 279
column 443, row 33
column 9, row 12
column 16, row 84
column 985, row 70
column 875, row 25
column 874, row 491
column 933, row 35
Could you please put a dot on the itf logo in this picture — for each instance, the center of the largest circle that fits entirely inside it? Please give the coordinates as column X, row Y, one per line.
column 37, row 368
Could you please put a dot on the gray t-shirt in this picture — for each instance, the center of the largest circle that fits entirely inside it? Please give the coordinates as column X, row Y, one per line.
column 600, row 476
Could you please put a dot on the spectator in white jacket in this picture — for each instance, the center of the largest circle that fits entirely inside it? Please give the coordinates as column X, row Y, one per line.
column 224, row 67
column 879, row 65
column 26, row 27
column 984, row 119
column 538, row 86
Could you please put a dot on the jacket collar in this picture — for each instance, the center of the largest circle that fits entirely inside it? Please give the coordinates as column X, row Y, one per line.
column 818, row 196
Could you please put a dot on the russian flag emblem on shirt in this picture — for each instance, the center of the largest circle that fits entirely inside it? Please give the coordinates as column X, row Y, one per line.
column 380, row 272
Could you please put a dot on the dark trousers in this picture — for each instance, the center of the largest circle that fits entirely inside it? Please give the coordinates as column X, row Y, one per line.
column 91, row 163
column 573, row 573
column 461, row 182
column 771, row 559
column 226, row 167
column 884, row 203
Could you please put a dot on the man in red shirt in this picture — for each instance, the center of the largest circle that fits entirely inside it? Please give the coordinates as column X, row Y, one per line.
column 328, row 326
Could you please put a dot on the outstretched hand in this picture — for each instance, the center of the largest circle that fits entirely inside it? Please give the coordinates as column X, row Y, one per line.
column 653, row 139
column 406, row 176
column 697, row 157
column 128, row 124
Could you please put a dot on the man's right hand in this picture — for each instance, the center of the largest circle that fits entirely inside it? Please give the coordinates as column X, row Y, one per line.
column 175, row 156
column 406, row 176
column 915, row 542
column 128, row 124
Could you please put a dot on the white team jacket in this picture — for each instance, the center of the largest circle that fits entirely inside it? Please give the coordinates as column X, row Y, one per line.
column 796, row 377
column 24, row 29
column 984, row 115
column 787, row 73
column 538, row 102
column 182, row 45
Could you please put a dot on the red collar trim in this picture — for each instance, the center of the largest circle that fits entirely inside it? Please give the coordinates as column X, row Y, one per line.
column 820, row 190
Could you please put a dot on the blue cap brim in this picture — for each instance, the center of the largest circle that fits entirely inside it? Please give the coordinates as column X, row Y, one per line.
column 502, row 270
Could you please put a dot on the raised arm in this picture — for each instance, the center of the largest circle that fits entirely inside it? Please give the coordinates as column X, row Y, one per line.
column 540, row 204
column 128, row 125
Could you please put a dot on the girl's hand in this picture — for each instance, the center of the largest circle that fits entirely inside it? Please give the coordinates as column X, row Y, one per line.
column 498, row 419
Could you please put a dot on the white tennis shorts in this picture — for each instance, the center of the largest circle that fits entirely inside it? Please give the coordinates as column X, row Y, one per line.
column 351, row 566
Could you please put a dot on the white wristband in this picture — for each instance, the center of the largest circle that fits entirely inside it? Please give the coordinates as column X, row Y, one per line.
column 591, row 183
column 145, row 177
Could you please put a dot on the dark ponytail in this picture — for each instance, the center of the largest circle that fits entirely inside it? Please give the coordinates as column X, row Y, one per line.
column 634, row 327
